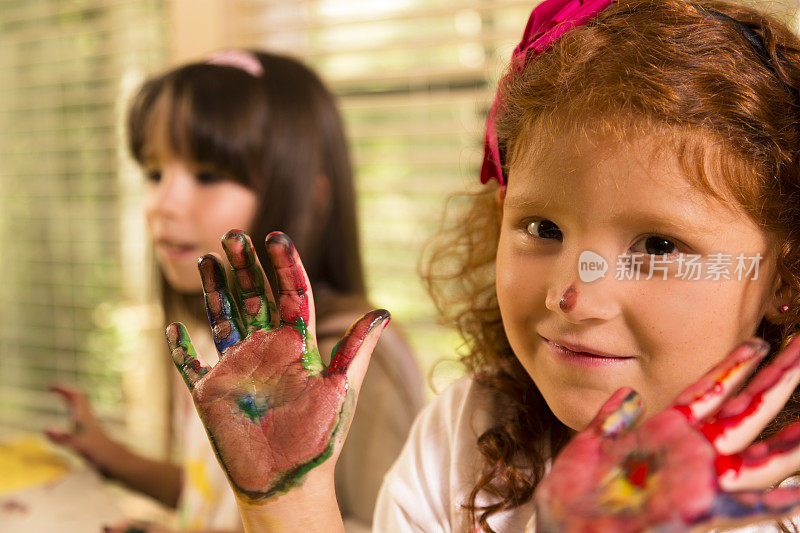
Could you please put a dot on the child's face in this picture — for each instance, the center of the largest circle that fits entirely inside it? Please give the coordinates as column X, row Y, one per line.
column 610, row 201
column 188, row 209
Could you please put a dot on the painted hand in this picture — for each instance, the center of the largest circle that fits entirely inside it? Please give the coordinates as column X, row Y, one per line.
column 690, row 465
column 272, row 409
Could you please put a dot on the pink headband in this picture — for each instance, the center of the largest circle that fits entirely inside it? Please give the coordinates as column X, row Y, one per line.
column 548, row 21
column 241, row 59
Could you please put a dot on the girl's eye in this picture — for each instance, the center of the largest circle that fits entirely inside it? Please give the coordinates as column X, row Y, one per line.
column 154, row 175
column 209, row 177
column 544, row 229
column 656, row 245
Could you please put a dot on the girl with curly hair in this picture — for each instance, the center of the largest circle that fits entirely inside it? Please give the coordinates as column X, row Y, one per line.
column 633, row 259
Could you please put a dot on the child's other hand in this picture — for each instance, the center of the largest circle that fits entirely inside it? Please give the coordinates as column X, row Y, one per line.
column 135, row 526
column 86, row 437
column 271, row 408
column 687, row 466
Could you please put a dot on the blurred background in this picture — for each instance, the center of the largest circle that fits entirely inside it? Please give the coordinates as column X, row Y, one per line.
column 78, row 304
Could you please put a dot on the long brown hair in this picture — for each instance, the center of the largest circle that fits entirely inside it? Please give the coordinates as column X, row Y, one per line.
column 666, row 68
column 276, row 133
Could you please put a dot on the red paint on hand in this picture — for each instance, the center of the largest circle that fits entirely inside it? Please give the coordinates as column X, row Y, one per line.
column 271, row 409
column 673, row 460
column 637, row 471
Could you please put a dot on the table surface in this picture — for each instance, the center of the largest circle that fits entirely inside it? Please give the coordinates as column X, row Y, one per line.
column 50, row 491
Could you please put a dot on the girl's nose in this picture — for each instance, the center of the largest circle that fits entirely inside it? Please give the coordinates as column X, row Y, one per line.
column 583, row 290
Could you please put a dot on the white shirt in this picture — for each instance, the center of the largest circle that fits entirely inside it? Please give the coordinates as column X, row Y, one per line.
column 438, row 467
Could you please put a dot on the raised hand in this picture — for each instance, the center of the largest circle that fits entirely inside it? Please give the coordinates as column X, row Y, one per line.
column 136, row 526
column 85, row 436
column 692, row 464
column 271, row 408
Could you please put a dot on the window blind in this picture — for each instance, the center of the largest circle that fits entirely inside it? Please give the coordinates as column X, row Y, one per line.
column 415, row 79
column 77, row 304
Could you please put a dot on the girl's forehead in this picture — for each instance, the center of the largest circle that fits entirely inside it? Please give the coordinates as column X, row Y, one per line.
column 159, row 142
column 166, row 127
column 612, row 180
column 556, row 160
column 629, row 155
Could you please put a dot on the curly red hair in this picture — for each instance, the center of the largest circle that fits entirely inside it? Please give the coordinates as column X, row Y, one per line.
column 661, row 67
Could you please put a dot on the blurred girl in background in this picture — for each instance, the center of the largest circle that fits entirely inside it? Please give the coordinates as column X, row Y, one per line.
column 251, row 140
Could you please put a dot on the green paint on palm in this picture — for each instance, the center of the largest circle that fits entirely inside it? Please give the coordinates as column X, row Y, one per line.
column 252, row 406
column 311, row 359
column 303, row 470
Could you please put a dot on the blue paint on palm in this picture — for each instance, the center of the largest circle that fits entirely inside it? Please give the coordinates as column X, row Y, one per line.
column 252, row 406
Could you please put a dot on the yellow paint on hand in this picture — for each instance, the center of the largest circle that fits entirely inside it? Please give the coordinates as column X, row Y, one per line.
column 618, row 494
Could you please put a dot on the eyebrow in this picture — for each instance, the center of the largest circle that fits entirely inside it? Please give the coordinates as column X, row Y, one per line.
column 520, row 203
column 674, row 225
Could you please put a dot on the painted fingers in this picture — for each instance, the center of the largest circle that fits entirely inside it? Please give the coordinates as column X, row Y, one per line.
column 80, row 413
column 731, row 422
column 295, row 300
column 744, row 506
column 223, row 314
column 618, row 414
column 295, row 305
column 358, row 342
column 759, row 463
column 741, row 418
column 233, row 319
column 76, row 400
column 258, row 305
column 705, row 396
column 184, row 355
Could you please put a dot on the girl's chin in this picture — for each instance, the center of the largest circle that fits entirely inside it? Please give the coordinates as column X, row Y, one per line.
column 577, row 411
column 183, row 282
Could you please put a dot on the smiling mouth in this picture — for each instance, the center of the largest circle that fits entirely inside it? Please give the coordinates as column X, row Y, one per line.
column 586, row 357
column 176, row 249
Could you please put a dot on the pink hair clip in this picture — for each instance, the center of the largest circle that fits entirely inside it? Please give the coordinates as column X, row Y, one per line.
column 237, row 58
column 547, row 22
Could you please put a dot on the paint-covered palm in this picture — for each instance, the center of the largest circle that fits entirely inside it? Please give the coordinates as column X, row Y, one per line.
column 691, row 465
column 271, row 408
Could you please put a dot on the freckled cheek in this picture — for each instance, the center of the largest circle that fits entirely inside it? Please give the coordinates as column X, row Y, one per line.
column 694, row 345
column 520, row 293
column 679, row 347
column 674, row 309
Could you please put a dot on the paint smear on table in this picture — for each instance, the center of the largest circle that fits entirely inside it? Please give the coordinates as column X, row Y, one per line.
column 26, row 463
